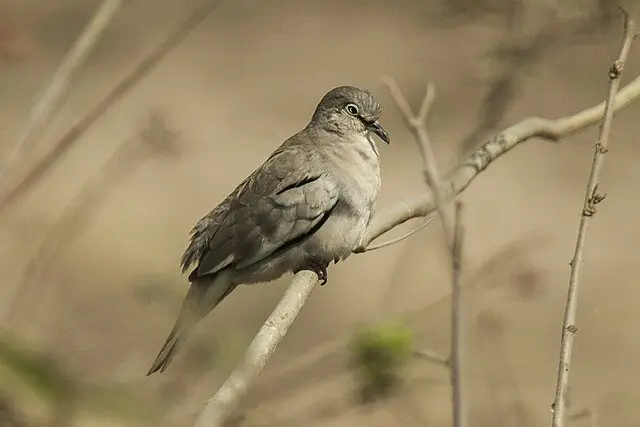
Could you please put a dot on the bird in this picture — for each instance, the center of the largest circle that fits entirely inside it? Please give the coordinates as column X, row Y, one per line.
column 308, row 204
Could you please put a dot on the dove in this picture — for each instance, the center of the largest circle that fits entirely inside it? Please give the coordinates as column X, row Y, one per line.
column 308, row 204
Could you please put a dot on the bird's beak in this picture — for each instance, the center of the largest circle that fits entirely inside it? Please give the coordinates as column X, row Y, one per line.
column 378, row 130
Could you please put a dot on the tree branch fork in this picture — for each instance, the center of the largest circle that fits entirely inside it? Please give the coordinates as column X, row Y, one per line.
column 221, row 405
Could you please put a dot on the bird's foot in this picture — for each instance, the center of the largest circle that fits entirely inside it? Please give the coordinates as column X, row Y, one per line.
column 320, row 269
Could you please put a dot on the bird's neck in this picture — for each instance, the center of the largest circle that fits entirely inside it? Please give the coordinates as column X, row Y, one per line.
column 361, row 142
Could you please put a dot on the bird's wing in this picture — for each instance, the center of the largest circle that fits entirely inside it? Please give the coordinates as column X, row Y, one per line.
column 281, row 203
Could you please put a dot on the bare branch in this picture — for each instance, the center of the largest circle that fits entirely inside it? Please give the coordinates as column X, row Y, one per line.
column 432, row 357
column 71, row 137
column 427, row 103
column 222, row 404
column 53, row 95
column 153, row 139
column 592, row 199
column 417, row 126
column 229, row 395
column 458, row 180
column 459, row 414
column 452, row 229
column 395, row 240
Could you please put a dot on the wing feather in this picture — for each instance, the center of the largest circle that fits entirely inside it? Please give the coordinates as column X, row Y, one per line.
column 276, row 206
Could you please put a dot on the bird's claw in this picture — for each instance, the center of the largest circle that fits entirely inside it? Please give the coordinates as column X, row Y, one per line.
column 321, row 271
column 322, row 275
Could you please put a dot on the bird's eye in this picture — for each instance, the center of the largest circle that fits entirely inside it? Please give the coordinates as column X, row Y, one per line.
column 352, row 109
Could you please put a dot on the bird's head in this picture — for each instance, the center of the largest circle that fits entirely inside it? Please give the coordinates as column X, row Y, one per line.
column 348, row 109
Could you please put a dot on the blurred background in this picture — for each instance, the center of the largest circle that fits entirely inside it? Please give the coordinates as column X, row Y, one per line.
column 89, row 256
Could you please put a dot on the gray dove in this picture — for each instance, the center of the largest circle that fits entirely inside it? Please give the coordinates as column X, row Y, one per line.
column 309, row 204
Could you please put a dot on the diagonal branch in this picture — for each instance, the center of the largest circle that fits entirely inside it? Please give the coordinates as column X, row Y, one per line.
column 72, row 136
column 222, row 404
column 458, row 180
column 153, row 140
column 592, row 199
column 53, row 95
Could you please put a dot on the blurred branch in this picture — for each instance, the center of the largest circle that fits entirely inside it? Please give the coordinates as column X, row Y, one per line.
column 451, row 226
column 503, row 391
column 154, row 139
column 460, row 178
column 71, row 137
column 590, row 414
column 592, row 199
column 517, row 54
column 432, row 357
column 221, row 405
column 64, row 396
column 457, row 331
column 49, row 101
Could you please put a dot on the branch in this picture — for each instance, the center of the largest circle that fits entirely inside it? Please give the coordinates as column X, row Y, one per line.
column 451, row 227
column 592, row 199
column 71, row 137
column 395, row 239
column 263, row 345
column 457, row 336
column 50, row 99
column 222, row 404
column 459, row 179
column 152, row 141
column 432, row 357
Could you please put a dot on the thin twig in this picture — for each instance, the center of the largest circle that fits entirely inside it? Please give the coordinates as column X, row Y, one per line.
column 417, row 124
column 149, row 142
column 432, row 357
column 457, row 329
column 49, row 101
column 592, row 199
column 460, row 178
column 397, row 239
column 256, row 356
column 71, row 137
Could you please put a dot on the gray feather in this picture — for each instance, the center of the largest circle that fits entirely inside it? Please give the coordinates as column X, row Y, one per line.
column 307, row 205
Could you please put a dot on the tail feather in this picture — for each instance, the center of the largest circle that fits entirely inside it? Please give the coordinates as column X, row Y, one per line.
column 168, row 352
column 202, row 297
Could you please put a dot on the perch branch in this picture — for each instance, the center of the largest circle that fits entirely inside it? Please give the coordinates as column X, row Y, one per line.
column 256, row 356
column 53, row 95
column 71, row 137
column 451, row 227
column 222, row 404
column 592, row 199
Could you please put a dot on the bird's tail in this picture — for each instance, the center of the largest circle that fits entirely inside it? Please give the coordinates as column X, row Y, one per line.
column 203, row 296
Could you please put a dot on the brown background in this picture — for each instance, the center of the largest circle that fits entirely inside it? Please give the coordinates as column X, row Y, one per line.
column 246, row 79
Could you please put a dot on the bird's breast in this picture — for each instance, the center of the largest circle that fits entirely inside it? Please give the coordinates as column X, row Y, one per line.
column 358, row 176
